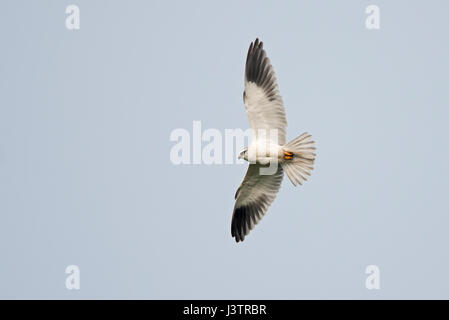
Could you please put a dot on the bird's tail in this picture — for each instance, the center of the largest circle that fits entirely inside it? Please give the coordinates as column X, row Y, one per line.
column 299, row 155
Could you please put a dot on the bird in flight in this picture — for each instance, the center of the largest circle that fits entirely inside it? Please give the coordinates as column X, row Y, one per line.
column 266, row 151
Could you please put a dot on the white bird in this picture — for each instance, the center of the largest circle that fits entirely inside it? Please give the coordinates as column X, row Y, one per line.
column 266, row 115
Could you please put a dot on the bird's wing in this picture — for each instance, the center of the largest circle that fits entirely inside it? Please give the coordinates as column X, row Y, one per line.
column 253, row 197
column 263, row 103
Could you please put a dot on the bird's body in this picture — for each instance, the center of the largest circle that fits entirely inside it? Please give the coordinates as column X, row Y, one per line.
column 268, row 153
column 263, row 151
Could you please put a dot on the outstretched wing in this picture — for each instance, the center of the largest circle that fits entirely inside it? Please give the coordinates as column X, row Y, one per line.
column 253, row 197
column 263, row 102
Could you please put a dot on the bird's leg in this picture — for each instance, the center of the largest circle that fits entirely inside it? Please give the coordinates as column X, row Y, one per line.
column 288, row 155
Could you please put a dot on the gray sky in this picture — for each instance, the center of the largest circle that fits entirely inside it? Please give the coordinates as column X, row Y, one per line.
column 86, row 178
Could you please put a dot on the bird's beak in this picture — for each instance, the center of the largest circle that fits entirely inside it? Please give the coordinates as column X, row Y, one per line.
column 240, row 156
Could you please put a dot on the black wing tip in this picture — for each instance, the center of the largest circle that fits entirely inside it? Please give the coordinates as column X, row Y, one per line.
column 255, row 61
column 245, row 218
column 237, row 237
column 257, row 43
column 259, row 70
column 239, row 225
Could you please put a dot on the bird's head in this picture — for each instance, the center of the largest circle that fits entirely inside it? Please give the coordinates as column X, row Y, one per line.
column 244, row 154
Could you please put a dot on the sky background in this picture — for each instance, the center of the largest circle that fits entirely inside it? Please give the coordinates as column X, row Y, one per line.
column 86, row 176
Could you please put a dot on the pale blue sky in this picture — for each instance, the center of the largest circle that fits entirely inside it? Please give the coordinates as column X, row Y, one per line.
column 86, row 179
